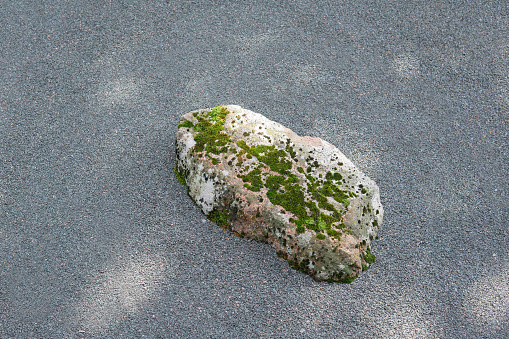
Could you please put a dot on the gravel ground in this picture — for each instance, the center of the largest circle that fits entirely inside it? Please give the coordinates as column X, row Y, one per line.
column 99, row 240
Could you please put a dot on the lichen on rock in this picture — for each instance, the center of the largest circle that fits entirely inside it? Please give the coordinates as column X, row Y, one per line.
column 262, row 181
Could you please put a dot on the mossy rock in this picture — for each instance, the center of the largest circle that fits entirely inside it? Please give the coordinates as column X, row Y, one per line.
column 262, row 181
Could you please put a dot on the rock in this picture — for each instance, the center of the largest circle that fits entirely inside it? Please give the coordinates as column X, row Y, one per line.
column 260, row 180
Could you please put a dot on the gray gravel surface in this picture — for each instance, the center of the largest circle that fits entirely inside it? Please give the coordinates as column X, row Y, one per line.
column 99, row 240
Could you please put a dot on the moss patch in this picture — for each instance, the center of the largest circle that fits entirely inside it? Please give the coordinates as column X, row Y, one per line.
column 348, row 280
column 186, row 123
column 179, row 177
column 345, row 279
column 253, row 180
column 334, row 234
column 368, row 257
column 210, row 136
column 220, row 218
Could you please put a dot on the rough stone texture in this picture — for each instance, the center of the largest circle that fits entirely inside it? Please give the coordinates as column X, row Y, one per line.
column 262, row 181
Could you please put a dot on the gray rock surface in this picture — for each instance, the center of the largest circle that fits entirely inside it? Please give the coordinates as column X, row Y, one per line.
column 263, row 181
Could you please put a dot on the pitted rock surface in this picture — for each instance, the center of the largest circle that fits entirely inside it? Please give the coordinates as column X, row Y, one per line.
column 262, row 181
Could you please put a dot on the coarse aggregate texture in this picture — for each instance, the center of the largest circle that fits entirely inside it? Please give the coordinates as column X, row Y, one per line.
column 99, row 240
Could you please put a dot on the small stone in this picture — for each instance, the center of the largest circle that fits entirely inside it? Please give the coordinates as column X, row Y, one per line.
column 262, row 181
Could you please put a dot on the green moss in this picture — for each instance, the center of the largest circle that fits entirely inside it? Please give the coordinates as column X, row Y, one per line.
column 179, row 177
column 242, row 144
column 220, row 218
column 303, row 266
column 320, row 236
column 338, row 278
column 218, row 114
column 210, row 137
column 187, row 124
column 322, row 225
column 368, row 257
column 327, row 190
column 316, row 225
column 326, row 206
column 348, row 280
column 254, row 178
column 275, row 160
column 334, row 234
column 259, row 149
column 215, row 161
column 300, row 229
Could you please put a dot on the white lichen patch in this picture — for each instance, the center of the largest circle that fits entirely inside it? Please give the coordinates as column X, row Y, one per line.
column 205, row 193
column 304, row 238
column 189, row 142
